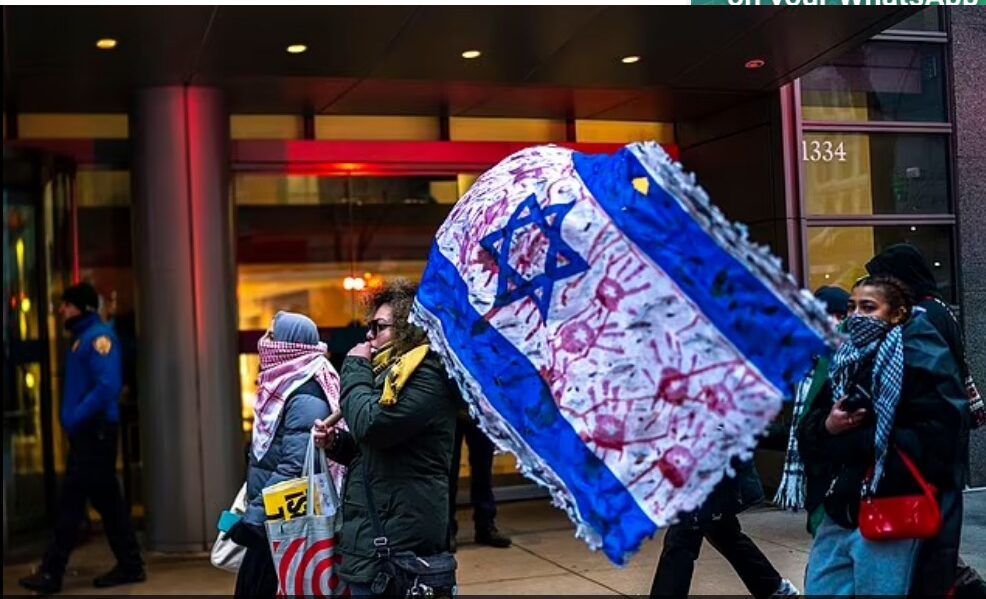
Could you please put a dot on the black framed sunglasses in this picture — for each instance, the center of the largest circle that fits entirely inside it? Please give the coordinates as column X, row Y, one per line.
column 378, row 325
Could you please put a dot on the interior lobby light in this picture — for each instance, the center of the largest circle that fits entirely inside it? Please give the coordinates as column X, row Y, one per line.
column 106, row 43
column 470, row 54
column 354, row 284
column 296, row 48
column 755, row 63
column 25, row 305
column 630, row 59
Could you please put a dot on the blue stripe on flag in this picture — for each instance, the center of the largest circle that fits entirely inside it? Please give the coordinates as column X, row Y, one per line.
column 736, row 302
column 517, row 392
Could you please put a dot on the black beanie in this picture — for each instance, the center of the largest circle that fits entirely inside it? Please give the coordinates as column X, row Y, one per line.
column 83, row 296
column 836, row 300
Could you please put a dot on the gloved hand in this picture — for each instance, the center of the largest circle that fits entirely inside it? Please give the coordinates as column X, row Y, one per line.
column 247, row 535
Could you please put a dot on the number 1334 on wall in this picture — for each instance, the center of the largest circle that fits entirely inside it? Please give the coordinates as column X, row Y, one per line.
column 822, row 151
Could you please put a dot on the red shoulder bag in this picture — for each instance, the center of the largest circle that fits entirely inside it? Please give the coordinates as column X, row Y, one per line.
column 904, row 517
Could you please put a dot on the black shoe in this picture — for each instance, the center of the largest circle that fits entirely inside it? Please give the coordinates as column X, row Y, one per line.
column 42, row 583
column 975, row 589
column 118, row 576
column 493, row 538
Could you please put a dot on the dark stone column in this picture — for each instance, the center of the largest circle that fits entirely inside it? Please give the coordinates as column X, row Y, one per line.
column 968, row 36
column 189, row 389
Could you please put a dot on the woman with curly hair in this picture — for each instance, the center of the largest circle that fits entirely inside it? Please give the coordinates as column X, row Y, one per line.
column 400, row 407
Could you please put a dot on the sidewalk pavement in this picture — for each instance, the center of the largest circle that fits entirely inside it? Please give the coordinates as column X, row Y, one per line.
column 546, row 559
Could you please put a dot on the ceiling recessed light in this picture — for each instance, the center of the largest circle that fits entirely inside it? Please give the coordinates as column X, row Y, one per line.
column 755, row 63
column 630, row 59
column 937, row 264
column 913, row 229
column 296, row 48
column 106, row 43
column 470, row 54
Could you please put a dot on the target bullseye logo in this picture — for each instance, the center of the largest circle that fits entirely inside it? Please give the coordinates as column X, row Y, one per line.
column 308, row 571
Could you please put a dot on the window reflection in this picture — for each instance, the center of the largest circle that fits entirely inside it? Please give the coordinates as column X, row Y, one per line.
column 266, row 189
column 303, row 241
column 881, row 173
column 838, row 255
column 878, row 81
column 928, row 19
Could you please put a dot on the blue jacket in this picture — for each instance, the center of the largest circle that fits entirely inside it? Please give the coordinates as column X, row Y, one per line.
column 93, row 375
column 286, row 455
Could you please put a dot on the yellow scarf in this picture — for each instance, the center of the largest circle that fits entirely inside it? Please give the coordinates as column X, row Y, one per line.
column 401, row 369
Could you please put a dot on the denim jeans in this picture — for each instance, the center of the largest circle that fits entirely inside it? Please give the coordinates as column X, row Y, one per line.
column 842, row 562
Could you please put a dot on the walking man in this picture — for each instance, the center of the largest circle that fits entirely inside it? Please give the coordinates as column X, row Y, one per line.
column 90, row 415
column 716, row 522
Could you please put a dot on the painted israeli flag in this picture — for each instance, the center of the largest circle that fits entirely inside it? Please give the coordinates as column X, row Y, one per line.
column 608, row 326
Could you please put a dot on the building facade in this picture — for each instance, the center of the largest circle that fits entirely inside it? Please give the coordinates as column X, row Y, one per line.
column 198, row 223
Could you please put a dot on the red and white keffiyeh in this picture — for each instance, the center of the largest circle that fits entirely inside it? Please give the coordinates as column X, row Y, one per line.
column 283, row 368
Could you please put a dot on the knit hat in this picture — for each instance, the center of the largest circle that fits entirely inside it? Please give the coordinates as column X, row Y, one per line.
column 83, row 296
column 836, row 300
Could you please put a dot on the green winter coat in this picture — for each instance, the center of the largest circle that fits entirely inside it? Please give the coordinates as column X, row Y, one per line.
column 405, row 451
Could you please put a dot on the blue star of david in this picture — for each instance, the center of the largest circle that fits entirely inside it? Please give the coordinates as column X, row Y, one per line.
column 511, row 286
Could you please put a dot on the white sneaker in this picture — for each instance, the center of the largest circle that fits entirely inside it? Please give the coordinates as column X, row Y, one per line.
column 787, row 589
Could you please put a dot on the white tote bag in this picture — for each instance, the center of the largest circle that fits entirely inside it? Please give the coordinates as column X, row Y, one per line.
column 227, row 555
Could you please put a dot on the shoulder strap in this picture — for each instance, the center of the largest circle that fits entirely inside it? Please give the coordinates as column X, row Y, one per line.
column 926, row 487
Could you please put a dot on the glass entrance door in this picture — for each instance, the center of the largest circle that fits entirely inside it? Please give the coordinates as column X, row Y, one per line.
column 37, row 259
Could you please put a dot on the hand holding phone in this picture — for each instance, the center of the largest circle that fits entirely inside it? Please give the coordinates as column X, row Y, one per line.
column 857, row 398
column 840, row 419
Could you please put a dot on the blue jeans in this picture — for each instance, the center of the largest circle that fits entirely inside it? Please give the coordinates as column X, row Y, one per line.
column 842, row 562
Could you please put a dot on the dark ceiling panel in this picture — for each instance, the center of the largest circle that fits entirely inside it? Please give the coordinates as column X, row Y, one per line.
column 375, row 96
column 789, row 41
column 587, row 103
column 672, row 105
column 283, row 94
column 668, row 40
column 514, row 40
column 545, row 102
column 545, row 61
column 156, row 44
column 343, row 41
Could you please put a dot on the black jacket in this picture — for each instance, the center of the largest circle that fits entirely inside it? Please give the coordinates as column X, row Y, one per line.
column 929, row 420
column 404, row 451
column 938, row 556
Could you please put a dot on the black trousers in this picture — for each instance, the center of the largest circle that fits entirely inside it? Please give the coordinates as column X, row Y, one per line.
column 90, row 476
column 481, row 470
column 682, row 544
column 257, row 576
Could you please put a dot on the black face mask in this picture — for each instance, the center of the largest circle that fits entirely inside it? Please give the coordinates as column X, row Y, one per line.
column 864, row 330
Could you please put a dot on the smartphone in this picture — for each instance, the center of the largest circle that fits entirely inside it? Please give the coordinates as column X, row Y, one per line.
column 228, row 520
column 859, row 399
